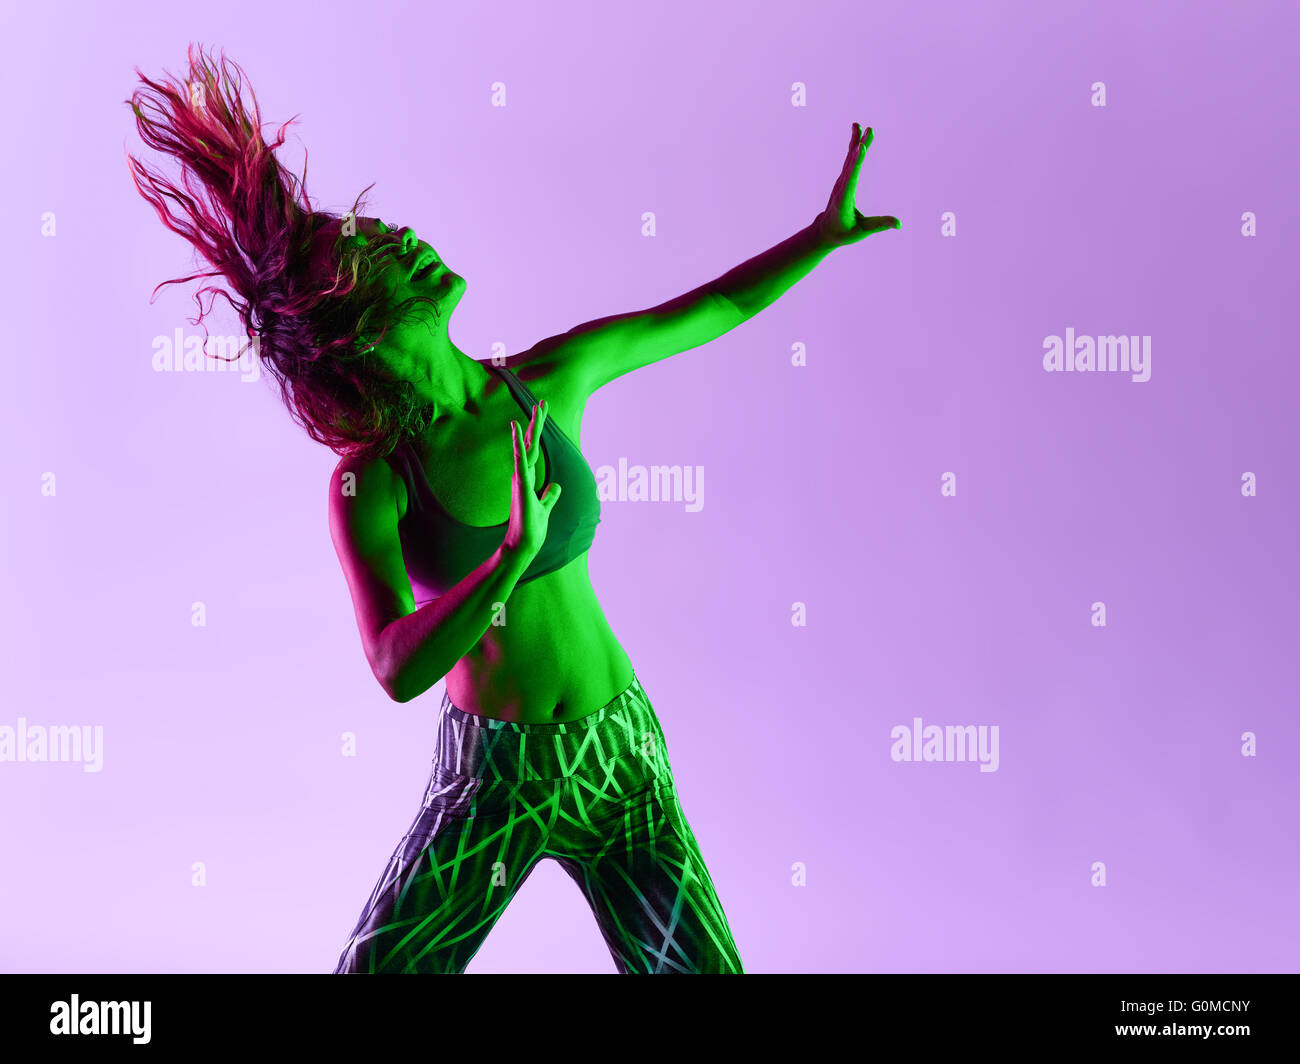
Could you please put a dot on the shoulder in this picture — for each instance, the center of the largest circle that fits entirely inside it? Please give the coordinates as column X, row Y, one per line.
column 365, row 488
column 551, row 370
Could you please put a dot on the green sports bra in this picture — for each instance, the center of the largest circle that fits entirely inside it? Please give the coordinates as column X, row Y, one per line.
column 440, row 551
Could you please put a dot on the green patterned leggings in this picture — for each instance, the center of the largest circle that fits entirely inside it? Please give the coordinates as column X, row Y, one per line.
column 596, row 795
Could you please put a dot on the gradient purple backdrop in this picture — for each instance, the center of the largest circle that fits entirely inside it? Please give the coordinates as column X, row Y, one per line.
column 1119, row 744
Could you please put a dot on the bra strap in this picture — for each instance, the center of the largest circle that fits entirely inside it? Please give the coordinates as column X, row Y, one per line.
column 522, row 393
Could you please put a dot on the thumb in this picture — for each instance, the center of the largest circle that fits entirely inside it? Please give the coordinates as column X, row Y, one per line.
column 879, row 223
column 550, row 497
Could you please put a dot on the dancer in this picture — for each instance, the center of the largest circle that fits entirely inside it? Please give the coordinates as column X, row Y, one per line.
column 462, row 511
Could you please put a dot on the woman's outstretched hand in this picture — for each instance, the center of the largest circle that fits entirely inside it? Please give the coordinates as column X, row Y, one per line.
column 529, row 515
column 841, row 222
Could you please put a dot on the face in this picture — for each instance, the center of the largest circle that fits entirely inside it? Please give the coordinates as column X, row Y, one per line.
column 416, row 269
column 411, row 268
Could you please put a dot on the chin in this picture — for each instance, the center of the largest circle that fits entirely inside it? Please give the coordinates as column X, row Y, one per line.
column 448, row 282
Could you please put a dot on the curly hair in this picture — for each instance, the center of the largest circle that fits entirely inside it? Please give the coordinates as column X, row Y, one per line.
column 251, row 219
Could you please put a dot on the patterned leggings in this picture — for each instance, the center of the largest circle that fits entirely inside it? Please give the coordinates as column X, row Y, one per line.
column 596, row 795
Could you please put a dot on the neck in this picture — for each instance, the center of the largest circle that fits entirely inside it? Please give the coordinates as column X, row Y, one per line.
column 447, row 378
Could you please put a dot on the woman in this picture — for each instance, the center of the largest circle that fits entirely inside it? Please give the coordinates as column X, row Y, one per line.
column 462, row 511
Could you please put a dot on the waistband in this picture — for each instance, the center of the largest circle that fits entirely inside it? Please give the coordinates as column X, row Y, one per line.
column 471, row 745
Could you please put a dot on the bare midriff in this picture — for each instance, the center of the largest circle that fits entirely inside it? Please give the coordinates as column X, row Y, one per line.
column 554, row 659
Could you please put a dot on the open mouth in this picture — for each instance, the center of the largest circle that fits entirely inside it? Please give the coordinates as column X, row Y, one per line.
column 424, row 267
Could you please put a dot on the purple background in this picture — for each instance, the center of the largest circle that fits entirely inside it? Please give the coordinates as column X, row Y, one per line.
column 1119, row 744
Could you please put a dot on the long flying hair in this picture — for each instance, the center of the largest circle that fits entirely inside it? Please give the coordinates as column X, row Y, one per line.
column 251, row 219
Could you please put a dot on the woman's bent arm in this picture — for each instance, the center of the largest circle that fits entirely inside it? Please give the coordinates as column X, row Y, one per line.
column 423, row 646
column 409, row 650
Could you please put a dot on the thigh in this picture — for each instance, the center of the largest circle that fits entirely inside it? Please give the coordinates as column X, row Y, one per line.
column 652, row 895
column 448, row 881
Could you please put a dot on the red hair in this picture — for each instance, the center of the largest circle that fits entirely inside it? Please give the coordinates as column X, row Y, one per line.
column 251, row 219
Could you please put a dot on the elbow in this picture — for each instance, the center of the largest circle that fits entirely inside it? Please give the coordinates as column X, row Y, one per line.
column 403, row 676
column 389, row 674
column 394, row 685
column 401, row 682
column 394, row 690
column 401, row 686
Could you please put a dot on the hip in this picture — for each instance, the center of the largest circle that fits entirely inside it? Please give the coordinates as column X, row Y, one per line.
column 589, row 786
column 625, row 726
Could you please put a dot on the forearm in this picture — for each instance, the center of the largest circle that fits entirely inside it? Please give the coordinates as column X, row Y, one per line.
column 422, row 647
column 762, row 280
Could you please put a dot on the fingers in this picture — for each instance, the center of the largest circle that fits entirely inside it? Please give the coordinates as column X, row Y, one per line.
column 846, row 168
column 855, row 166
column 846, row 185
column 517, row 442
column 851, row 189
column 536, row 422
column 526, row 469
column 527, row 442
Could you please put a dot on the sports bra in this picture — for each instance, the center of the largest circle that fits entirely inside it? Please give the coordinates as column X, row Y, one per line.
column 440, row 551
